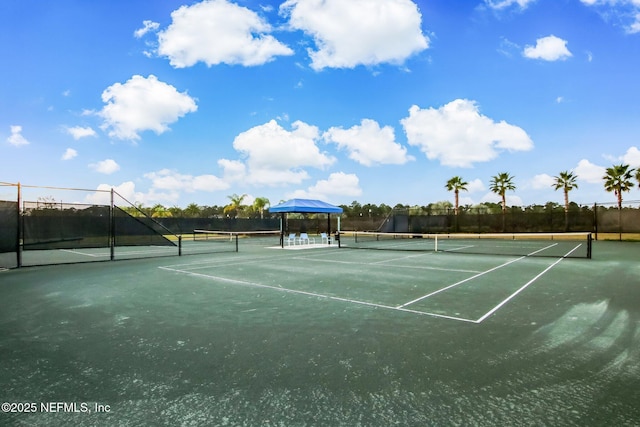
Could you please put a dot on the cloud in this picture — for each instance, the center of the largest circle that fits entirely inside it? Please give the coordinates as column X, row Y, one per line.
column 69, row 154
column 276, row 156
column 78, row 132
column 142, row 104
column 166, row 179
column 127, row 191
column 589, row 172
column 475, row 186
column 358, row 32
column 550, row 48
column 338, row 184
column 632, row 157
column 542, row 181
column 504, row 4
column 216, row 32
column 106, row 167
column 146, row 27
column 458, row 135
column 368, row 144
column 625, row 13
column 16, row 139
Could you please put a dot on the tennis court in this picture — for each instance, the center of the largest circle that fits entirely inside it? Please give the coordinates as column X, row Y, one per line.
column 319, row 335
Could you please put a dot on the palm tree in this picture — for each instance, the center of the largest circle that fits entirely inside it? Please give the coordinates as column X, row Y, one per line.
column 618, row 179
column 193, row 210
column 638, row 176
column 567, row 181
column 259, row 204
column 159, row 211
column 235, row 206
column 456, row 184
column 500, row 184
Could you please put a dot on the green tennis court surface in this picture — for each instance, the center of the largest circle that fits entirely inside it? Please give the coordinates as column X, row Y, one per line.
column 326, row 336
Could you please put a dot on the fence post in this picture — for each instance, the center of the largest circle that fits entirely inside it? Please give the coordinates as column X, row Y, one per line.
column 112, row 229
column 595, row 220
column 19, row 228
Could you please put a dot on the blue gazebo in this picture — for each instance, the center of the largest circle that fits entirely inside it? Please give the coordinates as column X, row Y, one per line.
column 305, row 206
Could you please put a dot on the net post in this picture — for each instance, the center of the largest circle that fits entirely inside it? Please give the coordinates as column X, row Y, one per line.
column 112, row 229
column 435, row 238
column 236, row 234
column 180, row 245
column 589, row 245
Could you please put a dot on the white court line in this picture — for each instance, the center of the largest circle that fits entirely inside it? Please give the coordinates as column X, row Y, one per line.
column 416, row 267
column 472, row 277
column 216, row 262
column 83, row 253
column 525, row 286
column 458, row 283
column 401, row 258
column 313, row 294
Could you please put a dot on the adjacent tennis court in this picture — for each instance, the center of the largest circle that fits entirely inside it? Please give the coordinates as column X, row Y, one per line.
column 314, row 334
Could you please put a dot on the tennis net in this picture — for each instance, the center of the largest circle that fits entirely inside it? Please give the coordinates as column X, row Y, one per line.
column 228, row 241
column 558, row 245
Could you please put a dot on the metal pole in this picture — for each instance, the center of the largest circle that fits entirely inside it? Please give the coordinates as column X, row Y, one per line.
column 112, row 229
column 19, row 228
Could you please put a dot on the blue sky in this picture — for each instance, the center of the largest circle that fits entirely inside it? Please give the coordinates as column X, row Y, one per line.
column 379, row 101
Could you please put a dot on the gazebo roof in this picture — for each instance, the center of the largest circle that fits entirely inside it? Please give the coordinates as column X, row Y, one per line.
column 305, row 206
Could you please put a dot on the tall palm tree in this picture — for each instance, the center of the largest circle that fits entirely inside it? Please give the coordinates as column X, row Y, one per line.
column 235, row 206
column 259, row 204
column 638, row 176
column 618, row 179
column 456, row 184
column 500, row 184
column 567, row 181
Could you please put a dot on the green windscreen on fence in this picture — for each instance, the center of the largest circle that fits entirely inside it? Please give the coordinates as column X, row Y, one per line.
column 8, row 226
column 64, row 226
column 138, row 231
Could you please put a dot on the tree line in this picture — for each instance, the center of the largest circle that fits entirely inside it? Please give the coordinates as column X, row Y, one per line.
column 618, row 179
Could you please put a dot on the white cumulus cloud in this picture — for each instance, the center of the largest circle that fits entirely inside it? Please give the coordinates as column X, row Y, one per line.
column 358, row 32
column 218, row 31
column 475, row 186
column 78, row 132
column 142, row 104
column 338, row 184
column 632, row 157
column 69, row 154
column 589, row 172
column 550, row 48
column 106, row 167
column 126, row 193
column 166, row 179
column 16, row 139
column 368, row 144
column 457, row 134
column 276, row 156
column 542, row 181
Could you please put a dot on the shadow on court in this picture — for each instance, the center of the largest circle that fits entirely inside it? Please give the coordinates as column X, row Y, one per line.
column 338, row 337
